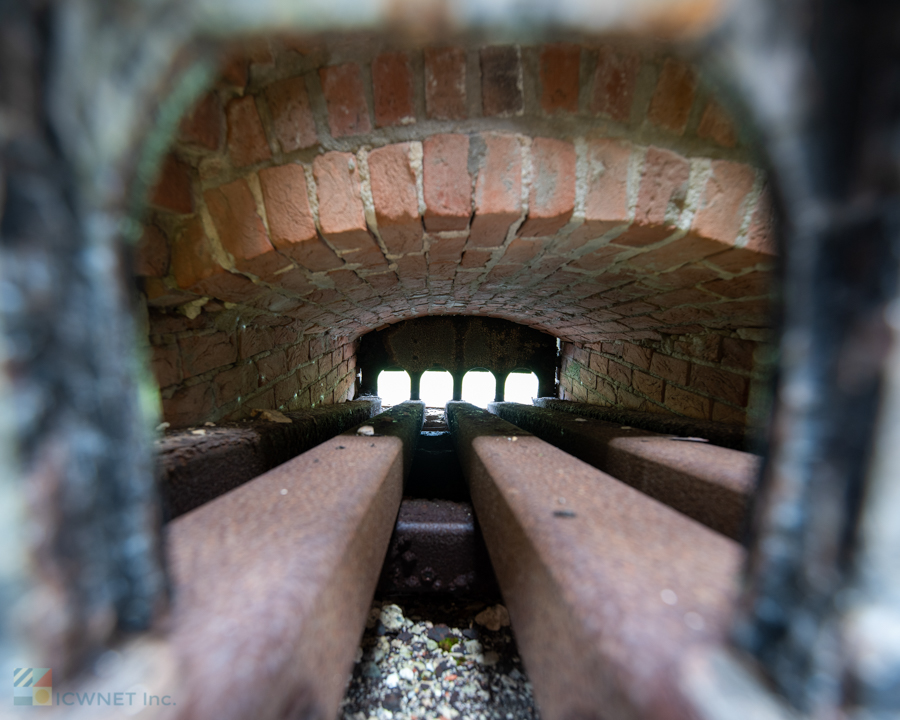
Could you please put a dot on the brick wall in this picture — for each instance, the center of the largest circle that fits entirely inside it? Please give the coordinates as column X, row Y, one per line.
column 707, row 376
column 321, row 191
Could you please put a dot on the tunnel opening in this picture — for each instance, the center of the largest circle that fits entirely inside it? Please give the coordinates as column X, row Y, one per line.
column 479, row 387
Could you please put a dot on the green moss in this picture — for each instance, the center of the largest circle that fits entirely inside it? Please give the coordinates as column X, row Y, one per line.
column 448, row 643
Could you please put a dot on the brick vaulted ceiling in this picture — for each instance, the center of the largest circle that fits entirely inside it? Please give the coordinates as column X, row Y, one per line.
column 323, row 189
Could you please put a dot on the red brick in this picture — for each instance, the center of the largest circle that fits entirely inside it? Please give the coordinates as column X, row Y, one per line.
column 189, row 406
column 396, row 200
column 560, row 66
column 254, row 340
column 522, row 251
column 341, row 215
column 736, row 260
column 445, row 83
column 614, row 83
column 241, row 230
column 716, row 125
column 246, row 138
column 738, row 353
column 348, row 113
column 670, row 368
column 292, row 118
column 192, row 256
column 270, row 367
column 446, row 249
column 296, row 355
column 264, row 401
column 551, row 198
column 687, row 403
column 287, row 392
column 308, row 374
column 703, row 347
column 685, row 296
column 498, row 190
column 671, row 104
column 599, row 364
column 761, row 234
column 234, row 70
column 200, row 353
column 664, row 184
column 587, row 378
column 501, row 81
column 679, row 316
column 753, row 284
column 598, row 259
column 203, row 124
column 648, row 385
column 447, row 183
column 678, row 252
column 637, row 355
column 166, row 364
column 720, row 384
column 725, row 414
column 392, row 86
column 619, row 372
column 173, row 188
column 722, row 203
column 229, row 287
column 606, row 201
column 475, row 258
column 236, row 382
column 152, row 253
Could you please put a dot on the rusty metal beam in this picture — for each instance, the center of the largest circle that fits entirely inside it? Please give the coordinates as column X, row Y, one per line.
column 711, row 484
column 273, row 581
column 729, row 436
column 200, row 464
column 608, row 589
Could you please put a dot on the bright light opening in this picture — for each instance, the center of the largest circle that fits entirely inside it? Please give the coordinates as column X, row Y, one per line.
column 479, row 388
column 436, row 388
column 393, row 387
column 521, row 387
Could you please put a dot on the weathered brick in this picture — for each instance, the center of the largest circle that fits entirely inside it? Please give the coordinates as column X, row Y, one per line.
column 236, row 382
column 501, row 81
column 292, row 118
column 241, row 230
column 606, row 201
column 619, row 372
column 392, row 87
column 761, row 234
column 446, row 249
column 341, row 215
column 670, row 368
column 637, row 355
column 190, row 405
column 722, row 203
column 752, row 284
column 247, row 142
column 671, row 104
column 203, row 124
column 475, row 258
column 253, row 340
column 720, row 384
column 498, row 190
column 348, row 113
column 445, row 83
column 229, row 287
column 270, row 367
column 648, row 385
column 552, row 194
column 738, row 353
column 447, row 183
column 560, row 64
column 309, row 373
column 192, row 256
column 151, row 257
column 173, row 188
column 396, row 200
column 263, row 401
column 165, row 360
column 687, row 403
column 614, row 82
column 678, row 252
column 703, row 347
column 628, row 399
column 200, row 353
column 726, row 414
column 287, row 392
column 234, row 70
column 716, row 125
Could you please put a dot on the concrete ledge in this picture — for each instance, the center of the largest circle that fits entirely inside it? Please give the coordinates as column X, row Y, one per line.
column 711, row 484
column 729, row 436
column 200, row 464
column 273, row 580
column 608, row 589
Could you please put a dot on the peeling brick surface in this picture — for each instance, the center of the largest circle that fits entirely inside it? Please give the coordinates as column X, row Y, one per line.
column 247, row 143
column 348, row 112
column 292, row 119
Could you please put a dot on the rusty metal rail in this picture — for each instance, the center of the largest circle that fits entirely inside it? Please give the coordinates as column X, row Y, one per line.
column 199, row 464
column 608, row 589
column 729, row 436
column 272, row 581
column 711, row 484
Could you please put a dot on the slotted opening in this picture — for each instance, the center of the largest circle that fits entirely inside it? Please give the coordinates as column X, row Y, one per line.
column 521, row 387
column 393, row 387
column 479, row 387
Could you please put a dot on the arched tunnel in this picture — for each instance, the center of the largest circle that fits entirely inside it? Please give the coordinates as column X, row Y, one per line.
column 222, row 223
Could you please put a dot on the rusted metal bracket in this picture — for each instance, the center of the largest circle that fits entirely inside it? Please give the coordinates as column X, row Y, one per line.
column 609, row 590
column 711, row 484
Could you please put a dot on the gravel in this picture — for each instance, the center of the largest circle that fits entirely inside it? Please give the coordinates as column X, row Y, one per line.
column 427, row 661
